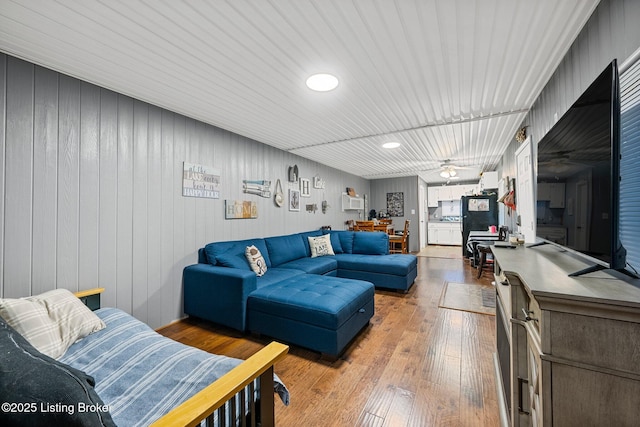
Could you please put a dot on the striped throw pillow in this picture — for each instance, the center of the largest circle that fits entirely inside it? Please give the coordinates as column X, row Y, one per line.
column 51, row 321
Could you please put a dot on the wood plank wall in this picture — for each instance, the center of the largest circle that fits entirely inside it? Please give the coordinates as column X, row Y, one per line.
column 91, row 185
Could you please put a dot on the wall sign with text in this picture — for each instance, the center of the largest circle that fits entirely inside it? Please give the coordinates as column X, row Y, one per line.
column 200, row 181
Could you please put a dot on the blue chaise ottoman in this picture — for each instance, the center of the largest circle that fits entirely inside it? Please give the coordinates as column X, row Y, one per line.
column 322, row 313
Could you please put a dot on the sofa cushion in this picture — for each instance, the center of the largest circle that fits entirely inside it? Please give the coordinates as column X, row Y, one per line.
column 395, row 264
column 305, row 239
column 324, row 301
column 318, row 265
column 32, row 378
column 275, row 275
column 283, row 249
column 376, row 243
column 232, row 253
column 335, row 242
column 346, row 240
column 233, row 260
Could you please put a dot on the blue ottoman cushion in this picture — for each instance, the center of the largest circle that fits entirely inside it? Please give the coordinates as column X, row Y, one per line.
column 318, row 300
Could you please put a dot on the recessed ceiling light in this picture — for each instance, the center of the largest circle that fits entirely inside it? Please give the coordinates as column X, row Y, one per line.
column 322, row 82
column 392, row 144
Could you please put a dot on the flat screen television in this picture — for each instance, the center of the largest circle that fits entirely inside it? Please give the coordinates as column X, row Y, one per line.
column 578, row 174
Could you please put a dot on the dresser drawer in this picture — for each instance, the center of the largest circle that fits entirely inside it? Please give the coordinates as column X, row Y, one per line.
column 523, row 306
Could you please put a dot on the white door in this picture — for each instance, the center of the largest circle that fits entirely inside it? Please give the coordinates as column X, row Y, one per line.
column 525, row 206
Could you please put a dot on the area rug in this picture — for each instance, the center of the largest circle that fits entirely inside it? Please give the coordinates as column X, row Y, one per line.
column 470, row 297
column 431, row 251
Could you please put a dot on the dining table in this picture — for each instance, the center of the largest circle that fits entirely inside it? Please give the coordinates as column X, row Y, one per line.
column 475, row 237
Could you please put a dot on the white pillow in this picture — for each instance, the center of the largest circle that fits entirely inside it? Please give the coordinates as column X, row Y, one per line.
column 256, row 260
column 320, row 246
column 51, row 321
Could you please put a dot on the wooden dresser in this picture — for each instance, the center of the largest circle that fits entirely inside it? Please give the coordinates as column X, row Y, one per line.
column 568, row 348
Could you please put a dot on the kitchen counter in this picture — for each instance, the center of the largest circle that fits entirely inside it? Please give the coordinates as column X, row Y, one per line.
column 440, row 220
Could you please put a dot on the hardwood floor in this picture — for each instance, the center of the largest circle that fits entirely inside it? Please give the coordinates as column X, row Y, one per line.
column 414, row 365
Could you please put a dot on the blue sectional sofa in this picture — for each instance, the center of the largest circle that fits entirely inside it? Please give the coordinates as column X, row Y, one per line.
column 316, row 302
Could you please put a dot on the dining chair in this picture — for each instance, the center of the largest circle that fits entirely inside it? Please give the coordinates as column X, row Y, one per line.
column 363, row 226
column 398, row 243
column 381, row 227
column 484, row 252
column 486, row 256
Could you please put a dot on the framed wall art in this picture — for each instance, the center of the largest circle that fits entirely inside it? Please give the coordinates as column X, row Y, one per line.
column 395, row 204
column 294, row 200
column 305, row 188
column 240, row 209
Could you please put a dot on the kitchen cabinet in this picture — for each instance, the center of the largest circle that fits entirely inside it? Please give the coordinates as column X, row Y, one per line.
column 444, row 233
column 489, row 180
column 433, row 196
column 554, row 192
column 440, row 193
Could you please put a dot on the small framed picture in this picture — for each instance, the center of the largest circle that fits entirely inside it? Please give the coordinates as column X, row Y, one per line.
column 294, row 200
column 304, row 188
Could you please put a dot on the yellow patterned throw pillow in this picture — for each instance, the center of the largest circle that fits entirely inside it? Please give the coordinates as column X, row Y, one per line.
column 256, row 260
column 320, row 246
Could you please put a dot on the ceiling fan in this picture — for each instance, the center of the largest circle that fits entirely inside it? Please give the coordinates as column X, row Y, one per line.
column 449, row 169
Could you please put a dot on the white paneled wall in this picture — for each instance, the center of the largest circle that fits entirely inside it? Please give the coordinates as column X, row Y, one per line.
column 91, row 185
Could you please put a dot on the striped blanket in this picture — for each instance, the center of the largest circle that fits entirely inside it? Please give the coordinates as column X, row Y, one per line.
column 142, row 375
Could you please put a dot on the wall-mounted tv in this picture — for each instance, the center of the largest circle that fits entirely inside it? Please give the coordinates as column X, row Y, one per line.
column 578, row 175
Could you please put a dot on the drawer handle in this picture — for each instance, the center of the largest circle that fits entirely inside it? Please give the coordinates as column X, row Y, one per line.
column 526, row 315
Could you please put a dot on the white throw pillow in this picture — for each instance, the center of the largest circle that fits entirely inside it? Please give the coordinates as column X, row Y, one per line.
column 51, row 321
column 320, row 246
column 256, row 260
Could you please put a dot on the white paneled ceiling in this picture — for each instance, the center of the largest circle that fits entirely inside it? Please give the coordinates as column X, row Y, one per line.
column 450, row 80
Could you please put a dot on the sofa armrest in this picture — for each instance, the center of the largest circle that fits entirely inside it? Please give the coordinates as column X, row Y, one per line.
column 218, row 294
